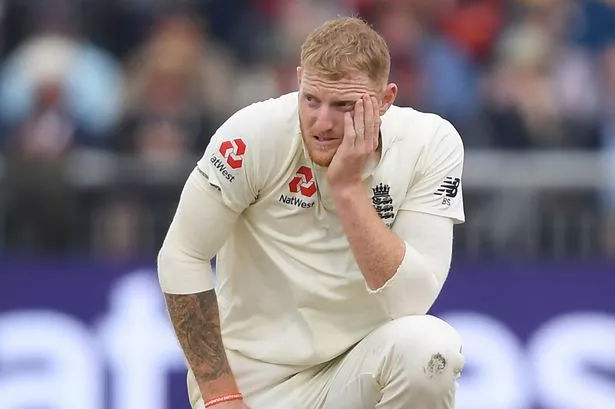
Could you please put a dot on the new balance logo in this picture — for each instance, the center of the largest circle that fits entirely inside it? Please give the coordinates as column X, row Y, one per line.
column 449, row 187
column 303, row 182
column 233, row 151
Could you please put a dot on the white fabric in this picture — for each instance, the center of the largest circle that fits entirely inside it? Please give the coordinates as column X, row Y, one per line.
column 408, row 363
column 289, row 290
column 200, row 227
column 420, row 277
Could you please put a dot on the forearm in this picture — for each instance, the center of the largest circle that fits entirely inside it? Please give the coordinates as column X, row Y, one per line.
column 377, row 250
column 196, row 322
column 199, row 228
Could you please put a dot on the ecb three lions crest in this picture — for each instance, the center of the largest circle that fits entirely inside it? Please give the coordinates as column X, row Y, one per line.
column 383, row 203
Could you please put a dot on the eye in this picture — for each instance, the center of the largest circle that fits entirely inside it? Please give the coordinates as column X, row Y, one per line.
column 345, row 105
column 310, row 100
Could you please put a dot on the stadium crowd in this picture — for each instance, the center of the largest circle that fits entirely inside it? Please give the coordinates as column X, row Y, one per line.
column 155, row 78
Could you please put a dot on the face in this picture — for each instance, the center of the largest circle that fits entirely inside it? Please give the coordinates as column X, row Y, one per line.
column 323, row 103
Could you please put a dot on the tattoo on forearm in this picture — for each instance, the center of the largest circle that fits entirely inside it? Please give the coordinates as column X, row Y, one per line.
column 197, row 325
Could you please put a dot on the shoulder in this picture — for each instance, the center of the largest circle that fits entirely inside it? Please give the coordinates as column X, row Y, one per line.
column 257, row 140
column 266, row 126
column 421, row 127
column 268, row 118
column 422, row 131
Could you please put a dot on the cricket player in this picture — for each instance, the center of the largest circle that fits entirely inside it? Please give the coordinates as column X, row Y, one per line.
column 331, row 213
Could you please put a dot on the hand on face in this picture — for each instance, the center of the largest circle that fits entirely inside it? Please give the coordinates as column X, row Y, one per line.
column 361, row 134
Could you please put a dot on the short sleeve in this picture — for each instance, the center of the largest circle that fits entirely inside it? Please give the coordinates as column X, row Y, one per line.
column 437, row 186
column 229, row 162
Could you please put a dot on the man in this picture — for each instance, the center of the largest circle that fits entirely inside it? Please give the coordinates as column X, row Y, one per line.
column 331, row 212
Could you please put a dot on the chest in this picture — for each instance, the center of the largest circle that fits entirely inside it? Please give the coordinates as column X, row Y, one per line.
column 299, row 209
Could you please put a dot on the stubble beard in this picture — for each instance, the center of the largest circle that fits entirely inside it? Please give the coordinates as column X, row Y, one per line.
column 319, row 157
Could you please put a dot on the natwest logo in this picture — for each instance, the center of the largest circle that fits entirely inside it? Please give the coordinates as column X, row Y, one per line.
column 303, row 182
column 296, row 201
column 233, row 152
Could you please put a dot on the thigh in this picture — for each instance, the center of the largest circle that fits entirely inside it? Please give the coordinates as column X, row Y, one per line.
column 353, row 381
column 395, row 363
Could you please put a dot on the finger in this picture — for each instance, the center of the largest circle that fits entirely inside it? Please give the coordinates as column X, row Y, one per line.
column 359, row 121
column 369, row 123
column 349, row 131
column 377, row 122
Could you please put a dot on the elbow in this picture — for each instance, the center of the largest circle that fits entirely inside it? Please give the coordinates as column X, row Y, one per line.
column 179, row 273
column 407, row 296
column 164, row 255
column 428, row 288
column 414, row 288
column 164, row 268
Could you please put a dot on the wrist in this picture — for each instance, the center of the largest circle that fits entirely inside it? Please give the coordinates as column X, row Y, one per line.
column 225, row 385
column 228, row 397
column 347, row 193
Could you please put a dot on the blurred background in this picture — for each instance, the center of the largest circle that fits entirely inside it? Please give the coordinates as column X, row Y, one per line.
column 105, row 105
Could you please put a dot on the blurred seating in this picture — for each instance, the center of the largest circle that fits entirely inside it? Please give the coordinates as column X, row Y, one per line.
column 150, row 81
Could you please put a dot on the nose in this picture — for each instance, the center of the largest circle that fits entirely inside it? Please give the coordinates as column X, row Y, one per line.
column 324, row 120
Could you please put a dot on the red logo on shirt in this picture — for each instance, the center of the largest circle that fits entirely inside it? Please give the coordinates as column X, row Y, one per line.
column 233, row 152
column 303, row 182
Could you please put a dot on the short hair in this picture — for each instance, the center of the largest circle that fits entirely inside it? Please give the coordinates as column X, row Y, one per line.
column 345, row 45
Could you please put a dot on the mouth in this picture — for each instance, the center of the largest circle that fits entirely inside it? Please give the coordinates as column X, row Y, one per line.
column 325, row 141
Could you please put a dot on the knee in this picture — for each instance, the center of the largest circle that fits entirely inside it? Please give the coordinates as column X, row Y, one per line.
column 423, row 349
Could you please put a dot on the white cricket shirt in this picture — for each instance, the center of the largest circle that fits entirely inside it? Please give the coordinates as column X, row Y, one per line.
column 289, row 289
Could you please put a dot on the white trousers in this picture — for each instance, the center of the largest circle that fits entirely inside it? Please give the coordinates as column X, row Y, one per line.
column 409, row 363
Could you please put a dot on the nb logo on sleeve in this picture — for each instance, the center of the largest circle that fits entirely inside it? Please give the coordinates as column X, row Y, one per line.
column 448, row 189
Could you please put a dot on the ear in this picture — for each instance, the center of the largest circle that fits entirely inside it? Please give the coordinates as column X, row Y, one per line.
column 388, row 99
column 299, row 75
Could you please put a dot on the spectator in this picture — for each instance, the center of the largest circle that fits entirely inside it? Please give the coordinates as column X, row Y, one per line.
column 179, row 87
column 535, row 58
column 90, row 78
column 57, row 94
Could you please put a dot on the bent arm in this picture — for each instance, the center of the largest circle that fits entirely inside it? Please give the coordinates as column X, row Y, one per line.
column 420, row 276
column 377, row 250
column 405, row 268
column 200, row 227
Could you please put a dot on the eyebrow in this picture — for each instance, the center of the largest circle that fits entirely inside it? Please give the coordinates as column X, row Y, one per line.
column 345, row 101
column 309, row 94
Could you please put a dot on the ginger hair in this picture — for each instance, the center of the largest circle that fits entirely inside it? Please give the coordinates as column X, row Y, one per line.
column 344, row 46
